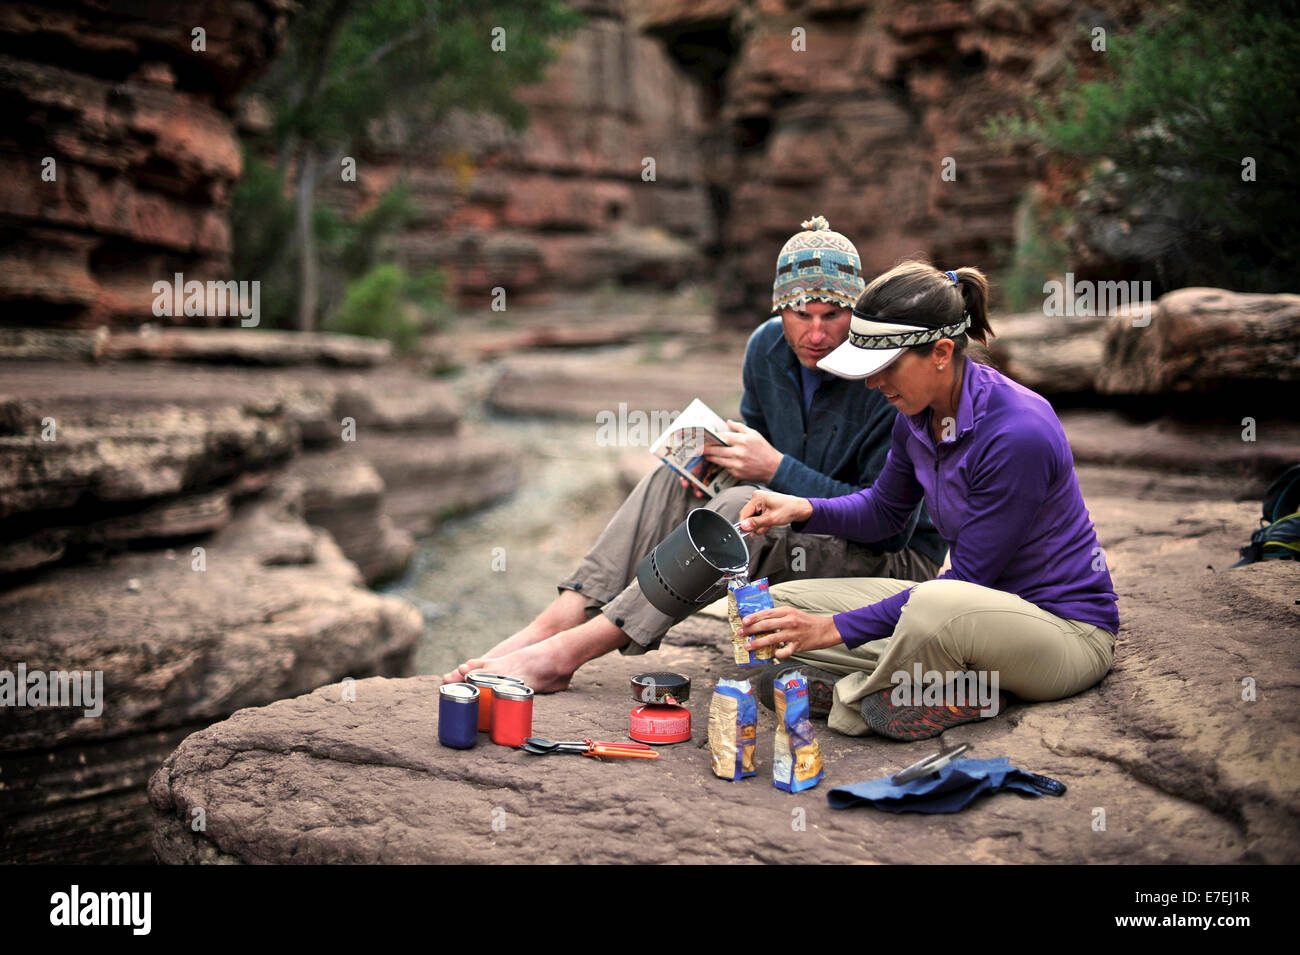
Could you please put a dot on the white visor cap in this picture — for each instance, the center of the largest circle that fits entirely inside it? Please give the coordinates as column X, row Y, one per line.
column 852, row 361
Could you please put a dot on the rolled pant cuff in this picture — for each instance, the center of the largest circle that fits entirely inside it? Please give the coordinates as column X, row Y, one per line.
column 594, row 602
column 644, row 624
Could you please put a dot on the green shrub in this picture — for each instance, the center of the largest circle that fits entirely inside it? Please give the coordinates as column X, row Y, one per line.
column 387, row 303
column 1039, row 254
column 1188, row 96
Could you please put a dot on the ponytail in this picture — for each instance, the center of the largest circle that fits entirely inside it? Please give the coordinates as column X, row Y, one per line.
column 974, row 288
column 918, row 292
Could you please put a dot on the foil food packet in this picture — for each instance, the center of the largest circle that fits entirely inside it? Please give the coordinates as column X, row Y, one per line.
column 742, row 600
column 796, row 759
column 733, row 729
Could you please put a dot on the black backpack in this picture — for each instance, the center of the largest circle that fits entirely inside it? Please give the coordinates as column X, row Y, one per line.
column 1279, row 534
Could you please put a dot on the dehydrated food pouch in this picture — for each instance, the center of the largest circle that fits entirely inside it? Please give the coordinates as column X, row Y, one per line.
column 742, row 600
column 796, row 759
column 733, row 728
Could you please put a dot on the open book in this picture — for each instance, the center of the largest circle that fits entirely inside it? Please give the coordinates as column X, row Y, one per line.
column 682, row 442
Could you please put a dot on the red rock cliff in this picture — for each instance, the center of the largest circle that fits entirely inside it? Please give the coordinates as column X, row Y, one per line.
column 118, row 149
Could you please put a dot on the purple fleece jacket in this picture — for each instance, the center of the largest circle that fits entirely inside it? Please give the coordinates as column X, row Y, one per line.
column 1002, row 493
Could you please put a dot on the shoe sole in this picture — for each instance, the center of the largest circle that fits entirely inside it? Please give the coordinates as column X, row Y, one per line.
column 909, row 723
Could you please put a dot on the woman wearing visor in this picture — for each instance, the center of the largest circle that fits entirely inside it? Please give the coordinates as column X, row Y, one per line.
column 1027, row 606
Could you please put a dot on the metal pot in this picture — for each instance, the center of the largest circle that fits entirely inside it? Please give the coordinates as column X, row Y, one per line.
column 681, row 571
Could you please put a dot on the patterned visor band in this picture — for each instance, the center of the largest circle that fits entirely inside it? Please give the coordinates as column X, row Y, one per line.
column 862, row 334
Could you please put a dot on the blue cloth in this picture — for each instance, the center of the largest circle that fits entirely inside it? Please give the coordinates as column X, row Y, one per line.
column 954, row 787
column 1004, row 495
column 843, row 447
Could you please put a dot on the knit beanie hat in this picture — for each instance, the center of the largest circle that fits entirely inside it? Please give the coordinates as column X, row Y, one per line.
column 817, row 265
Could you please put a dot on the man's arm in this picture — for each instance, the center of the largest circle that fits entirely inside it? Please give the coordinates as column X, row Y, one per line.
column 750, row 410
column 876, row 512
column 795, row 477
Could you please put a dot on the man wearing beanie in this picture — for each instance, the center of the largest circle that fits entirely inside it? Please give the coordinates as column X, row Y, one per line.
column 805, row 432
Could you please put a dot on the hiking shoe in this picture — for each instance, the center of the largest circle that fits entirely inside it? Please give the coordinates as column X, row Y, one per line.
column 917, row 722
column 821, row 688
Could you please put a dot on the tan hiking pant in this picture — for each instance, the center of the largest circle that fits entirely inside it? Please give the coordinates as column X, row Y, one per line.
column 607, row 575
column 950, row 626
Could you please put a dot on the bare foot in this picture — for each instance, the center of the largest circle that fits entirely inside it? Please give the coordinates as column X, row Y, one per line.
column 539, row 666
column 549, row 666
column 535, row 632
column 564, row 612
column 487, row 661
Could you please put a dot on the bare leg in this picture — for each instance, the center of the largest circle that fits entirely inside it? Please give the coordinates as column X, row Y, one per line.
column 549, row 665
column 565, row 611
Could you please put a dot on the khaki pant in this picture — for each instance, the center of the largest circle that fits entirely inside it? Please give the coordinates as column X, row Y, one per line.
column 951, row 625
column 607, row 575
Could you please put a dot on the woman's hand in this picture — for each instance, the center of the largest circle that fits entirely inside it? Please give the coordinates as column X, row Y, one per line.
column 799, row 630
column 769, row 509
column 748, row 455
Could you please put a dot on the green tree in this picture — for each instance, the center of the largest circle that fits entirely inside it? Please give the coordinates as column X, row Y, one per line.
column 348, row 63
column 1194, row 103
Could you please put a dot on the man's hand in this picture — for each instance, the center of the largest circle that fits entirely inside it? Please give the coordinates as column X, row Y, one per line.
column 748, row 455
column 691, row 487
column 799, row 630
column 769, row 509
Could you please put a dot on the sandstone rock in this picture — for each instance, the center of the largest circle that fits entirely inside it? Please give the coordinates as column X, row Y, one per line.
column 1185, row 768
column 865, row 143
column 128, row 456
column 1205, row 449
column 393, row 399
column 237, row 346
column 140, row 128
column 431, row 480
column 563, row 206
column 462, row 346
column 50, row 344
column 583, row 386
column 341, row 492
column 248, row 604
column 155, row 451
column 1141, row 484
column 83, row 803
column 1203, row 339
column 1051, row 355
column 275, row 610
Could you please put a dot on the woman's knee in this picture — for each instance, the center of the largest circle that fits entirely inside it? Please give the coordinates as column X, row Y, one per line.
column 933, row 603
column 807, row 595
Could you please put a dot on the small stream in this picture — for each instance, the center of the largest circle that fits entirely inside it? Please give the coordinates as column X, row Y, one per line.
column 483, row 576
